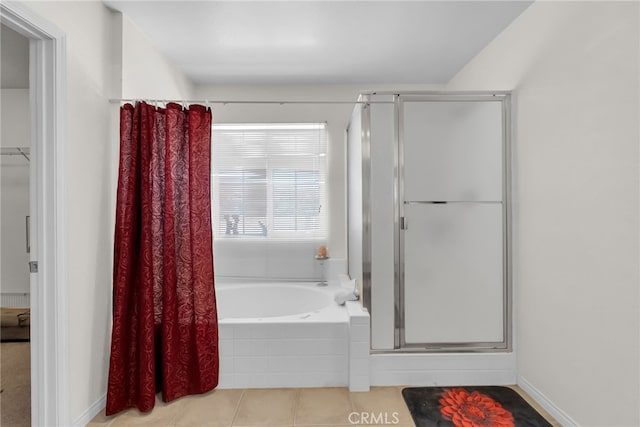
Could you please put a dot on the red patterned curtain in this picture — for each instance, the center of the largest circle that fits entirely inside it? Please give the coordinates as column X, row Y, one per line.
column 165, row 331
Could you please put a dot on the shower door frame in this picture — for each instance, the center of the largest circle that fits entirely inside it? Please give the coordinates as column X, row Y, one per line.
column 400, row 343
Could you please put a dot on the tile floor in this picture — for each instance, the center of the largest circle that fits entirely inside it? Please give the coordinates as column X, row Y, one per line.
column 276, row 407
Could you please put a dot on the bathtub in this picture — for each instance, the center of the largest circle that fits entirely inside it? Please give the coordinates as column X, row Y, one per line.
column 246, row 302
column 290, row 334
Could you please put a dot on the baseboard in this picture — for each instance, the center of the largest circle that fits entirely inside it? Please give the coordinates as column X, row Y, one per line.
column 91, row 412
column 15, row 299
column 557, row 413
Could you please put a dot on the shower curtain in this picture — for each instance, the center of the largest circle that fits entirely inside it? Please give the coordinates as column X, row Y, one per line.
column 165, row 332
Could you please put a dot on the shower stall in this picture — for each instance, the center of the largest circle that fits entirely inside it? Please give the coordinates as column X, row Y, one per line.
column 429, row 219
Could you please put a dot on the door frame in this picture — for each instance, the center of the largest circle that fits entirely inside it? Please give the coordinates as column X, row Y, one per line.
column 506, row 345
column 49, row 322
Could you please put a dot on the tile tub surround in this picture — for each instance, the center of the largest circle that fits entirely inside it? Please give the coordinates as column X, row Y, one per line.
column 359, row 347
column 275, row 407
column 328, row 347
column 280, row 354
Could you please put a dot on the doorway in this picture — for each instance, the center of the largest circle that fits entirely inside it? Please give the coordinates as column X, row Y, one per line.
column 15, row 151
column 46, row 257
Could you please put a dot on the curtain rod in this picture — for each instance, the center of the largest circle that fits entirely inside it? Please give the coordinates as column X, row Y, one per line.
column 216, row 101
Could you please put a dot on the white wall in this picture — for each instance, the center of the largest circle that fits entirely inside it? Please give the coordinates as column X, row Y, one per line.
column 15, row 125
column 574, row 68
column 146, row 74
column 97, row 69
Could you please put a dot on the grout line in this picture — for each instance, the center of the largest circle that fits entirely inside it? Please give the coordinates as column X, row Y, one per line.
column 235, row 413
column 351, row 400
column 295, row 406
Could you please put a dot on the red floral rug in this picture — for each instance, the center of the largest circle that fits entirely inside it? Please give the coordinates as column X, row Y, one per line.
column 470, row 407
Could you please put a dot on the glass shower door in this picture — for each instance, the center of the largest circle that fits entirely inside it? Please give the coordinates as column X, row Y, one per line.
column 453, row 240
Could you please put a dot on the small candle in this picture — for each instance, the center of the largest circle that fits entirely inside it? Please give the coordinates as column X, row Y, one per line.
column 322, row 252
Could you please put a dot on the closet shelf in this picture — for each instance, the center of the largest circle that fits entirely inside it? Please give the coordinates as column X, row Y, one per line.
column 16, row 151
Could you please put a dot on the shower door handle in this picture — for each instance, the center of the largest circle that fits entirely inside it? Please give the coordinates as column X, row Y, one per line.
column 27, row 225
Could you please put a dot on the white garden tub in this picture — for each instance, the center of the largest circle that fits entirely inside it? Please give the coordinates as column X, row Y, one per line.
column 282, row 334
column 265, row 300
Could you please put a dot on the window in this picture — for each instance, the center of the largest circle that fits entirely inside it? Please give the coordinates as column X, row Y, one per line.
column 269, row 181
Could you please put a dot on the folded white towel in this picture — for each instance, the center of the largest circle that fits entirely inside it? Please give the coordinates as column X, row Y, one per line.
column 342, row 297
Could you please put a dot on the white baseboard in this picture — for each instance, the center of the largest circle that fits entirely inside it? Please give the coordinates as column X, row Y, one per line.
column 548, row 406
column 15, row 299
column 91, row 412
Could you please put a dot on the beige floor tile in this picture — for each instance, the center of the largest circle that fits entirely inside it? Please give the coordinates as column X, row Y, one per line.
column 371, row 425
column 535, row 405
column 389, row 424
column 101, row 420
column 279, row 407
column 216, row 408
column 382, row 401
column 323, row 406
column 99, row 424
column 267, row 407
column 162, row 415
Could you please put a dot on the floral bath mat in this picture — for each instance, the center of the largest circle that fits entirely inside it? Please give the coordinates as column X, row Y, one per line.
column 470, row 407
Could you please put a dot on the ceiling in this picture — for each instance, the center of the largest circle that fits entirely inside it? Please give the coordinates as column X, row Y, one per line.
column 14, row 64
column 320, row 42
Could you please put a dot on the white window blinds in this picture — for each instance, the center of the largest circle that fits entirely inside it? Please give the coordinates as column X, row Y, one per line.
column 269, row 181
